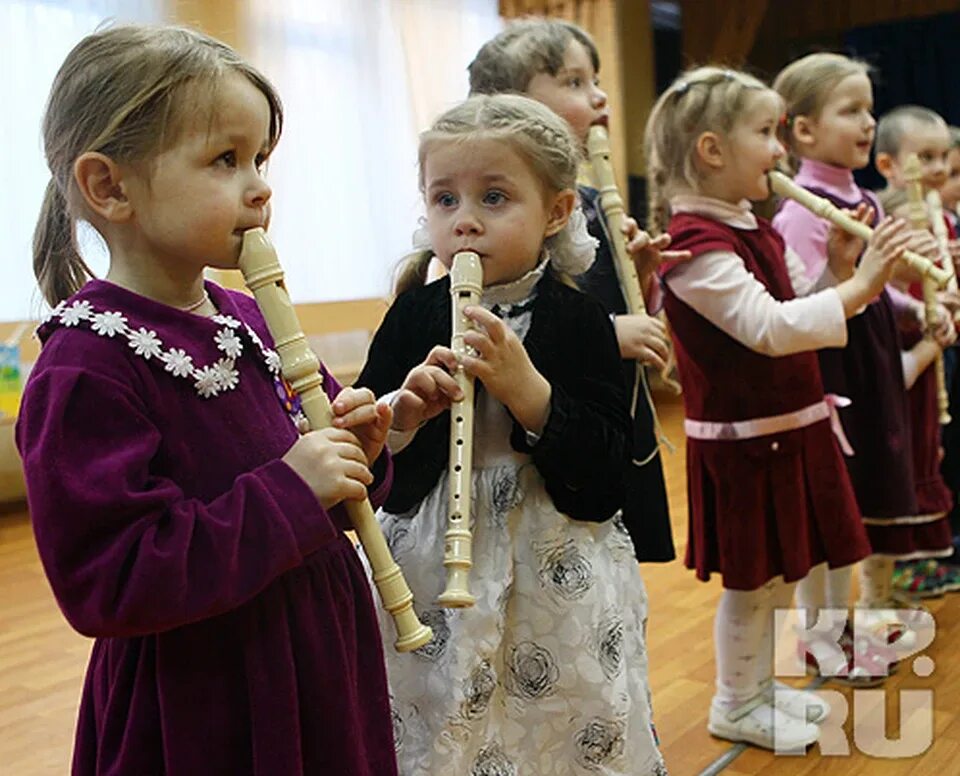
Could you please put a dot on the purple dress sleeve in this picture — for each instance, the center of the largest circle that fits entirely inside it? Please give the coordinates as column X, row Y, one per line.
column 127, row 552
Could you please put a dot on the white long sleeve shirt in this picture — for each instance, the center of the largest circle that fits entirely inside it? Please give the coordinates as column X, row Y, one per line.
column 719, row 287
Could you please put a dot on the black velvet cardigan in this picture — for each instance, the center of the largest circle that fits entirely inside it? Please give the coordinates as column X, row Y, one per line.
column 587, row 438
column 645, row 510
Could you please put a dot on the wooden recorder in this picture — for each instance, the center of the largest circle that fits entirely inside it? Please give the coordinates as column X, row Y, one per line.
column 939, row 226
column 919, row 219
column 301, row 368
column 466, row 287
column 598, row 150
column 785, row 187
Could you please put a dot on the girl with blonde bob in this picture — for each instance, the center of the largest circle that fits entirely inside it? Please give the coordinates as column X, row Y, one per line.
column 769, row 496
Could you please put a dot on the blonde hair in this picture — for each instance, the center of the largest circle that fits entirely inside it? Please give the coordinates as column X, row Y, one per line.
column 702, row 99
column 120, row 92
column 893, row 126
column 806, row 84
column 538, row 135
column 526, row 47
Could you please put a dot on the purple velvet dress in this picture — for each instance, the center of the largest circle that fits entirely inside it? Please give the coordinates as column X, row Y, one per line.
column 235, row 630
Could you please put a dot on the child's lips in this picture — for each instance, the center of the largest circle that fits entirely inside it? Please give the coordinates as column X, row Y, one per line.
column 602, row 121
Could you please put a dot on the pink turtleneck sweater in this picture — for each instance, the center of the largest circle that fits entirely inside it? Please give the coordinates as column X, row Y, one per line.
column 806, row 233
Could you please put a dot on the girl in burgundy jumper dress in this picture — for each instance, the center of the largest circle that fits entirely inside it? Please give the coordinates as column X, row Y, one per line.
column 769, row 496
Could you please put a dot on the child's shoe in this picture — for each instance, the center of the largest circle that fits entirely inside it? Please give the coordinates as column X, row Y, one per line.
column 917, row 579
column 757, row 722
column 800, row 704
column 884, row 625
column 859, row 667
column 945, row 576
column 950, row 580
column 900, row 616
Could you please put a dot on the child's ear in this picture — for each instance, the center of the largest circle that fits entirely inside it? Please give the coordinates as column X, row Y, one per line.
column 801, row 130
column 709, row 150
column 100, row 181
column 886, row 164
column 563, row 205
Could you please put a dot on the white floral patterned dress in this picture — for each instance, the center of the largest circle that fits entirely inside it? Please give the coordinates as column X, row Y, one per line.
column 547, row 673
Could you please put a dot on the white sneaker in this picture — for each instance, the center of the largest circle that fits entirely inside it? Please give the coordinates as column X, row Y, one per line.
column 800, row 704
column 757, row 722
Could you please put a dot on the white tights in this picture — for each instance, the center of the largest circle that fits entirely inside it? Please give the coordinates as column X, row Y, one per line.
column 825, row 594
column 744, row 639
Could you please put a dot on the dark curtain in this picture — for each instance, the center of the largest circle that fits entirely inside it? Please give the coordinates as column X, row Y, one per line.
column 916, row 61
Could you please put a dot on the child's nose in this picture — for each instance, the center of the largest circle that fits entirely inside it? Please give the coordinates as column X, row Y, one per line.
column 599, row 97
column 467, row 223
column 259, row 193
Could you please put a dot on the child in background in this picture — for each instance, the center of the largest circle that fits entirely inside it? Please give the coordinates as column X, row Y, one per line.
column 768, row 492
column 904, row 131
column 950, row 191
column 829, row 129
column 557, row 63
column 547, row 672
column 950, row 468
column 182, row 520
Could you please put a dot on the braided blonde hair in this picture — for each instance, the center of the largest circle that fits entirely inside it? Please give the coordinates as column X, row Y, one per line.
column 538, row 135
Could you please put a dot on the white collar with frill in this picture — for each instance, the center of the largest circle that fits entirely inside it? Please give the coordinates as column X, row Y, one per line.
column 515, row 291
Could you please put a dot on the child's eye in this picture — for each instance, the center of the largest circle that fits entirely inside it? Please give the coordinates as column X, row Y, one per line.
column 260, row 161
column 494, row 197
column 227, row 159
column 575, row 82
column 445, row 199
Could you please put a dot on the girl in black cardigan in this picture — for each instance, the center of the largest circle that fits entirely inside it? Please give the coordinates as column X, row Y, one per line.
column 547, row 672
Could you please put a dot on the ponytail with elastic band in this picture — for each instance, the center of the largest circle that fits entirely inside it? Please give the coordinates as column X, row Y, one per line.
column 57, row 264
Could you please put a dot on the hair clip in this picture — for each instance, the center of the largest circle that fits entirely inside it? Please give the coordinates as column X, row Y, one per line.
column 681, row 88
column 786, row 121
column 729, row 75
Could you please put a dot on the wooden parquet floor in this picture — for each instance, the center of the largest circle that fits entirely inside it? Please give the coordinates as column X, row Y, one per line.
column 42, row 662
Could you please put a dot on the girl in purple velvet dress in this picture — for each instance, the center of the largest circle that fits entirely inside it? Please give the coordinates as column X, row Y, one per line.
column 182, row 520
